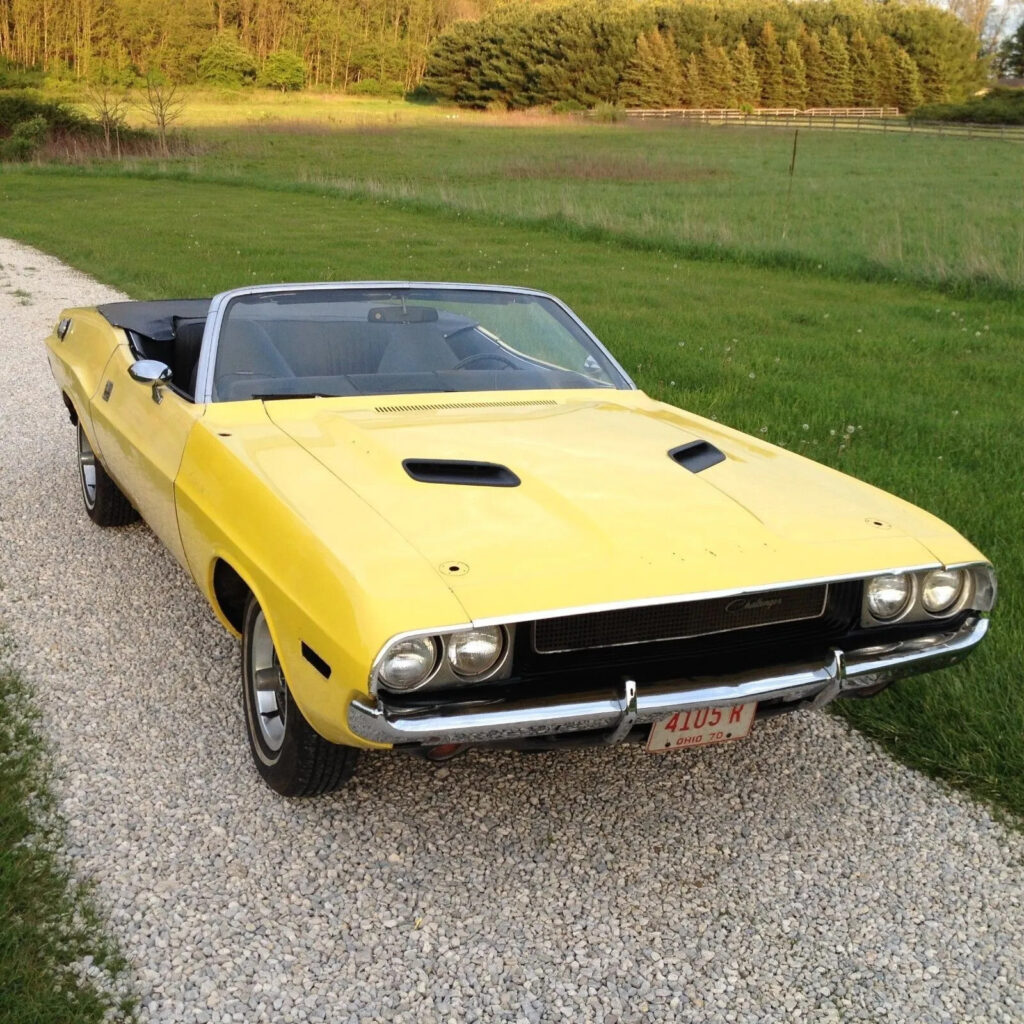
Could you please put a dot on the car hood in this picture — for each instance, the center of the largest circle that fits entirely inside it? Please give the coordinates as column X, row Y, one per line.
column 602, row 514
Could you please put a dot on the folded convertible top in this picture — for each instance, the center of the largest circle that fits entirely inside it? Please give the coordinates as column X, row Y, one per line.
column 154, row 319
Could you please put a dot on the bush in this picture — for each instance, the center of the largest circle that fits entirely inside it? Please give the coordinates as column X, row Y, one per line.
column 283, row 70
column 999, row 106
column 608, row 113
column 25, row 139
column 567, row 107
column 15, row 76
column 375, row 87
column 422, row 95
column 226, row 62
column 21, row 106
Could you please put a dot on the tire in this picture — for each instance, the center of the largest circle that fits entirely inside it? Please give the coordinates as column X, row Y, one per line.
column 292, row 757
column 105, row 504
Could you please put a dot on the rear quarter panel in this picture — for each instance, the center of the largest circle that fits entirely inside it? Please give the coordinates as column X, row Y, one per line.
column 79, row 360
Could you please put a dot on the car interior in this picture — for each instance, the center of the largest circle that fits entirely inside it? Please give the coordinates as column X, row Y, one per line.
column 393, row 349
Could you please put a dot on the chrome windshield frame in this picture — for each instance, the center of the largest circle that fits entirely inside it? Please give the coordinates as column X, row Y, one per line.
column 220, row 303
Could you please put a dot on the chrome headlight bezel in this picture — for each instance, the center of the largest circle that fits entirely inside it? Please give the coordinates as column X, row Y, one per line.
column 445, row 673
column 430, row 650
column 452, row 650
column 931, row 580
column 894, row 580
column 977, row 592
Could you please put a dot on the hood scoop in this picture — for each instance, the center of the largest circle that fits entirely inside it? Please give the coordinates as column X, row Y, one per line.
column 460, row 471
column 697, row 455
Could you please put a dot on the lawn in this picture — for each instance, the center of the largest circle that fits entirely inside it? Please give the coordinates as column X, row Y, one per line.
column 912, row 389
column 929, row 210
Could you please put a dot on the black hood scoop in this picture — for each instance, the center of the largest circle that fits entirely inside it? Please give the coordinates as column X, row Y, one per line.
column 697, row 455
column 460, row 471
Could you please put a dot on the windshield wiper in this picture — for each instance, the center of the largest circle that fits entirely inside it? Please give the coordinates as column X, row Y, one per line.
column 272, row 396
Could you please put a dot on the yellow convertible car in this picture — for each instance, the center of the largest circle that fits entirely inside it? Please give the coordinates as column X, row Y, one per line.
column 442, row 516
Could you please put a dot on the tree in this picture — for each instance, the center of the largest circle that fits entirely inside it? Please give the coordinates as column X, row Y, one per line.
column 226, row 62
column 717, row 75
column 693, row 84
column 164, row 106
column 768, row 61
column 653, row 76
column 109, row 106
column 944, row 50
column 908, row 82
column 748, row 85
column 1010, row 58
column 794, row 76
column 814, row 67
column 986, row 19
column 862, row 71
column 886, row 84
column 838, row 79
column 282, row 70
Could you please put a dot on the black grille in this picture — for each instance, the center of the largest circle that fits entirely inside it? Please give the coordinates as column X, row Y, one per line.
column 678, row 621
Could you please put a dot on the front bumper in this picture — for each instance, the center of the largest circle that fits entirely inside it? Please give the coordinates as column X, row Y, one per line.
column 494, row 720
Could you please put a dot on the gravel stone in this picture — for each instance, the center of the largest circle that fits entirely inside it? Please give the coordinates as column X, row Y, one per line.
column 798, row 875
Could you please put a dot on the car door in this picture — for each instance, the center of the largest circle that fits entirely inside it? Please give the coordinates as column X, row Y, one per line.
column 142, row 430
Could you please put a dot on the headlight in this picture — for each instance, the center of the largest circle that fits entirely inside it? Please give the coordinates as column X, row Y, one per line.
column 942, row 589
column 475, row 651
column 889, row 595
column 409, row 663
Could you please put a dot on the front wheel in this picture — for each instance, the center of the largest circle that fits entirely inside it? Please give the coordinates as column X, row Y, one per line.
column 291, row 756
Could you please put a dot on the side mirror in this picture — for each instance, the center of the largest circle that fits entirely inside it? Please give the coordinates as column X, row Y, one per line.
column 153, row 372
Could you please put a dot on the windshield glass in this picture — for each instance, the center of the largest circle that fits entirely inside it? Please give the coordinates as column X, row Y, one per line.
column 308, row 342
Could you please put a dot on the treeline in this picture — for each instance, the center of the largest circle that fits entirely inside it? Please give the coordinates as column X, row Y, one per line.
column 382, row 44
column 707, row 53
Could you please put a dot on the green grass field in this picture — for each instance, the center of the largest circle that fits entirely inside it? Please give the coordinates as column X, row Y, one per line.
column 885, row 294
column 928, row 210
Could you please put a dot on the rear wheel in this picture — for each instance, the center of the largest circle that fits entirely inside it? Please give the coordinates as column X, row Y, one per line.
column 104, row 501
column 291, row 756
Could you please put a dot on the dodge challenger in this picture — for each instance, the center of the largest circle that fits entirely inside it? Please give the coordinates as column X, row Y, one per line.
column 442, row 516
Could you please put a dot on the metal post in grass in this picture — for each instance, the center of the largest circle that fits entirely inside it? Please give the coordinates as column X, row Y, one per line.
column 789, row 188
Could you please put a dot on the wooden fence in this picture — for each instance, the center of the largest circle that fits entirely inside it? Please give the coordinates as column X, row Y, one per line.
column 873, row 119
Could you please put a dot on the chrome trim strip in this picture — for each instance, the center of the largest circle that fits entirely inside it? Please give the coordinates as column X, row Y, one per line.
column 701, row 595
column 483, row 720
column 685, row 636
column 219, row 303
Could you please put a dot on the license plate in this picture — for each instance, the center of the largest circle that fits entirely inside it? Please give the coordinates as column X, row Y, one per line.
column 700, row 727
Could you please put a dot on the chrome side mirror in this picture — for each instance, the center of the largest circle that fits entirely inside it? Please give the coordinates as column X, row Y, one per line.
column 153, row 372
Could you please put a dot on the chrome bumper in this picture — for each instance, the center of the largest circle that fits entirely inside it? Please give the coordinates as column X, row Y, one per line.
column 486, row 720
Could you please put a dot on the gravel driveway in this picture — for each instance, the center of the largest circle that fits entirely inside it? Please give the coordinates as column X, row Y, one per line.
column 798, row 875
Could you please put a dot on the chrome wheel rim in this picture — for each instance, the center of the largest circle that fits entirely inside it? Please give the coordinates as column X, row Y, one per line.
column 267, row 686
column 87, row 469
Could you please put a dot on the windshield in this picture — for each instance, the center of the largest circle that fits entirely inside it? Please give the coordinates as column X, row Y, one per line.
column 308, row 342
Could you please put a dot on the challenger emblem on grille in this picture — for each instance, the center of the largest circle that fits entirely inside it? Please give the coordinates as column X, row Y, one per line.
column 753, row 604
column 677, row 621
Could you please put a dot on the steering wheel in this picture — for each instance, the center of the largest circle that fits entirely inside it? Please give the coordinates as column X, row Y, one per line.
column 479, row 357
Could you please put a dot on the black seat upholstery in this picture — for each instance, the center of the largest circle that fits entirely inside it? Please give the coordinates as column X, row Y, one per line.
column 416, row 348
column 188, row 340
column 247, row 361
